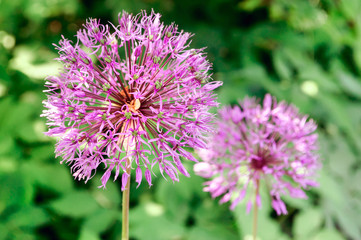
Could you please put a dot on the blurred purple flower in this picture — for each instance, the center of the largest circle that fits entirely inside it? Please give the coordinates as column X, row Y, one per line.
column 136, row 93
column 271, row 144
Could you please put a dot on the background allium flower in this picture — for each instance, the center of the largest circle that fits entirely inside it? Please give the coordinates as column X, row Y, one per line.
column 271, row 144
column 132, row 91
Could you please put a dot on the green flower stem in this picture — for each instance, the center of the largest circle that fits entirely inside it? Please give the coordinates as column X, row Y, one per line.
column 255, row 211
column 125, row 207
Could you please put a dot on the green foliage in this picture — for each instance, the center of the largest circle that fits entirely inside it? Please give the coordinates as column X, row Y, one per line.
column 149, row 222
column 307, row 52
column 307, row 222
column 77, row 204
column 268, row 228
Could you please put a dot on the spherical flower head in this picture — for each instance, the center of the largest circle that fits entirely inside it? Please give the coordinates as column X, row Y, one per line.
column 271, row 145
column 129, row 96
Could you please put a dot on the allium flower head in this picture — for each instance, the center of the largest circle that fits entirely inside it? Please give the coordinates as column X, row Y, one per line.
column 131, row 95
column 271, row 145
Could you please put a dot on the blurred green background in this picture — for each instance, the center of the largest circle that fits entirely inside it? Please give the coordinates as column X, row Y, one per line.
column 307, row 52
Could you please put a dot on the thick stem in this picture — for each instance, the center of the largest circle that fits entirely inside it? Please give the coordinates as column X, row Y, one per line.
column 255, row 211
column 125, row 207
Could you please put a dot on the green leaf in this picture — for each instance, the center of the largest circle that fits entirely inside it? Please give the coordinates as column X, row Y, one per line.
column 340, row 156
column 336, row 108
column 88, row 234
column 7, row 144
column 349, row 221
column 336, row 202
column 355, row 181
column 26, row 132
column 75, row 204
column 108, row 197
column 215, row 232
column 24, row 59
column 100, row 220
column 56, row 178
column 282, row 66
column 29, row 217
column 357, row 53
column 297, row 202
column 3, row 74
column 328, row 234
column 148, row 222
column 43, row 153
column 22, row 235
column 5, row 105
column 209, row 212
column 330, row 189
column 306, row 222
column 13, row 190
column 250, row 5
column 232, row 89
column 174, row 196
column 350, row 83
column 4, row 231
column 12, row 122
column 350, row 8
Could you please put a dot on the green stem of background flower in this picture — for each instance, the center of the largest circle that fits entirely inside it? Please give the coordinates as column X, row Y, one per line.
column 125, row 207
column 255, row 211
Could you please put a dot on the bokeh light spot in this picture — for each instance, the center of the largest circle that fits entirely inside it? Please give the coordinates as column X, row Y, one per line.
column 154, row 209
column 310, row 88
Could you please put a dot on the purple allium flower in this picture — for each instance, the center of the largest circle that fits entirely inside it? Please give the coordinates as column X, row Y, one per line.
column 133, row 91
column 271, row 144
